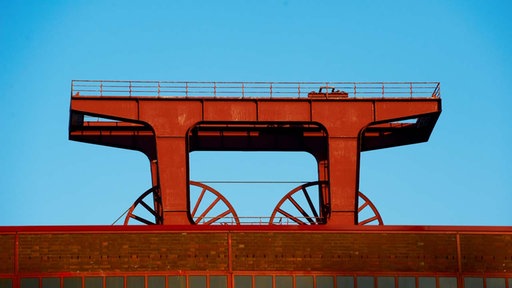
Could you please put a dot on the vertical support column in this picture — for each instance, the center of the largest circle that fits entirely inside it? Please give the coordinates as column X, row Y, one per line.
column 157, row 195
column 173, row 178
column 344, row 180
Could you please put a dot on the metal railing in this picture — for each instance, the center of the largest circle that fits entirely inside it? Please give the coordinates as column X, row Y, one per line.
column 133, row 88
column 259, row 220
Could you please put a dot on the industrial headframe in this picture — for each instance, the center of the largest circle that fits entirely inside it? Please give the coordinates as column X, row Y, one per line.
column 324, row 233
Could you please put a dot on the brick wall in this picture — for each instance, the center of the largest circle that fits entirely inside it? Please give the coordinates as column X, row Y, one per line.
column 481, row 252
column 344, row 252
column 7, row 253
column 122, row 252
column 256, row 251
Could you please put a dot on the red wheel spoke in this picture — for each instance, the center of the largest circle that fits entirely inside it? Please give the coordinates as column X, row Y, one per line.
column 148, row 208
column 291, row 217
column 310, row 203
column 219, row 202
column 198, row 202
column 371, row 219
column 208, row 209
column 140, row 219
column 301, row 210
column 218, row 217
column 362, row 207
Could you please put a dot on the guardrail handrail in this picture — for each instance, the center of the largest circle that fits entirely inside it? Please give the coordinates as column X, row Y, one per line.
column 259, row 220
column 141, row 88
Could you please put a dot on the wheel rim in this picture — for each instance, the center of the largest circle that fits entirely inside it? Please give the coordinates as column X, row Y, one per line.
column 211, row 207
column 142, row 207
column 297, row 207
column 205, row 209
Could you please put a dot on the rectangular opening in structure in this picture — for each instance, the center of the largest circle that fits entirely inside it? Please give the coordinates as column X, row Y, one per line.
column 253, row 187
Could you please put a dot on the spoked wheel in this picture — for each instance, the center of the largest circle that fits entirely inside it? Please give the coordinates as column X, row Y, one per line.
column 367, row 213
column 298, row 208
column 210, row 206
column 145, row 213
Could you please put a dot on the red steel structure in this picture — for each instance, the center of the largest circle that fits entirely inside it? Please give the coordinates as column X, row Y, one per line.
column 334, row 236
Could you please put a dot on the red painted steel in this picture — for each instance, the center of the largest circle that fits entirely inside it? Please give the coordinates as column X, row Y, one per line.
column 334, row 122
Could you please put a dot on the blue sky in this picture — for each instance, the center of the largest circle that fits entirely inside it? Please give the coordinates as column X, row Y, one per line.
column 462, row 176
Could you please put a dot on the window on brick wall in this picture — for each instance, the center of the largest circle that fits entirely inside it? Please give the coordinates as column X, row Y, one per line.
column 495, row 283
column 365, row 282
column 114, row 282
column 473, row 282
column 93, row 282
column 72, row 282
column 29, row 283
column 406, row 282
column 135, row 282
column 426, row 282
column 447, row 282
column 344, row 282
column 50, row 282
column 5, row 283
column 156, row 281
column 324, row 282
column 243, row 281
column 284, row 281
column 177, row 282
column 386, row 282
column 218, row 281
column 304, row 282
column 197, row 281
column 263, row 282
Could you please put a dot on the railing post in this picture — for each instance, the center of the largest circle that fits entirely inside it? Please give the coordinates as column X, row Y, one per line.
column 215, row 89
column 101, row 88
column 158, row 94
column 355, row 91
column 186, row 89
column 382, row 89
column 243, row 92
column 410, row 88
column 298, row 87
column 270, row 89
column 130, row 88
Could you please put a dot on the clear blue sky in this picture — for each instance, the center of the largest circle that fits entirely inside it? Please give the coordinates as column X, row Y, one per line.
column 462, row 176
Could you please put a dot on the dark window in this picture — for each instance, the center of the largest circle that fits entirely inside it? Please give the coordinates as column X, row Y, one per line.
column 365, row 282
column 406, row 282
column 344, row 282
column 50, row 282
column 495, row 283
column 73, row 282
column 93, row 282
column 324, row 282
column 304, row 282
column 473, row 282
column 284, row 282
column 135, row 282
column 156, row 281
column 5, row 283
column 263, row 281
column 177, row 282
column 243, row 281
column 29, row 283
column 448, row 282
column 197, row 281
column 114, row 282
column 426, row 282
column 386, row 282
column 218, row 282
